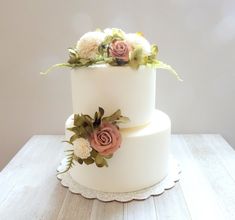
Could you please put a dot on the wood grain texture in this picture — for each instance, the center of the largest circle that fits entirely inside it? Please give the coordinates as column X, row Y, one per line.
column 171, row 205
column 140, row 210
column 29, row 188
column 75, row 207
column 107, row 210
column 207, row 155
column 200, row 197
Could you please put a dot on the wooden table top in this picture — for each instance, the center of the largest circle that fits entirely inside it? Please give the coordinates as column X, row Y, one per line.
column 30, row 190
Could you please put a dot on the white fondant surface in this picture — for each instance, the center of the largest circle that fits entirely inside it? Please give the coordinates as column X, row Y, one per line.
column 113, row 88
column 142, row 160
column 167, row 183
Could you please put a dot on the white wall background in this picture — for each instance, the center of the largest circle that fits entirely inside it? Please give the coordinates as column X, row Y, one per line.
column 195, row 37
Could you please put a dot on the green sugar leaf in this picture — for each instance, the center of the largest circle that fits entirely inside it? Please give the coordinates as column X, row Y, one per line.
column 101, row 112
column 98, row 117
column 154, row 50
column 136, row 57
column 73, row 138
column 108, row 156
column 99, row 159
column 55, row 66
column 161, row 65
column 123, row 119
column 73, row 129
column 88, row 161
column 112, row 118
column 73, row 53
column 94, row 153
column 116, row 117
column 79, row 160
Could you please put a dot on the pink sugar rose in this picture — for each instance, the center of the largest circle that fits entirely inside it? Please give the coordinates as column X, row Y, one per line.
column 120, row 50
column 106, row 139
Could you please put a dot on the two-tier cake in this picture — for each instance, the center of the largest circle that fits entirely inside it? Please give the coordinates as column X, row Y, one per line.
column 116, row 141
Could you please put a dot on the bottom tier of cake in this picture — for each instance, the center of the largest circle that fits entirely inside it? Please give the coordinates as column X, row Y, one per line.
column 141, row 161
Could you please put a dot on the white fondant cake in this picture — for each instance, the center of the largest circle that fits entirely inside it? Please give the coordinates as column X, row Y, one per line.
column 142, row 161
column 116, row 141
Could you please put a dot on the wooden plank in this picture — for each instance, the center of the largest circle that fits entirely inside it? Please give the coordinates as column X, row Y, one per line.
column 29, row 187
column 171, row 205
column 140, row 210
column 223, row 150
column 75, row 207
column 212, row 165
column 10, row 172
column 107, row 210
column 200, row 197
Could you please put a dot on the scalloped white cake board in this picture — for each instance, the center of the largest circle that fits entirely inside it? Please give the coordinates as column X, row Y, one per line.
column 167, row 183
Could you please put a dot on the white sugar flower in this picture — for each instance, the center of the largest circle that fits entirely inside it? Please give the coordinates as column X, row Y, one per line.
column 111, row 31
column 108, row 31
column 88, row 44
column 136, row 39
column 82, row 148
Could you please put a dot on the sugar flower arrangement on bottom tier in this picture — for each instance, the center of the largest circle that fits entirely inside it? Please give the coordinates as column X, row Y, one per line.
column 113, row 47
column 94, row 139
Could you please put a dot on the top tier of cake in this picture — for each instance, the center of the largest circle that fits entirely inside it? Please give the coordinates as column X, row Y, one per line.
column 115, row 87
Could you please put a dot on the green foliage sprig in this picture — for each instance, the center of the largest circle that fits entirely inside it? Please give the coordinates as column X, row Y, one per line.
column 69, row 161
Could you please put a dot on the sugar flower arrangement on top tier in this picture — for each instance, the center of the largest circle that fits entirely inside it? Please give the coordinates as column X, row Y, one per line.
column 114, row 47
